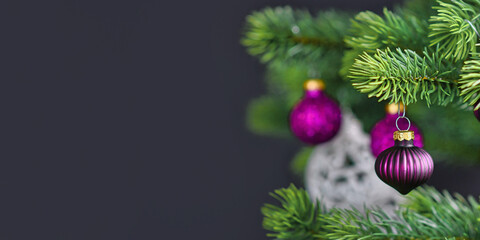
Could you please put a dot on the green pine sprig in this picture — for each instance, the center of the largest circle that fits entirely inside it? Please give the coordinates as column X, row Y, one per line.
column 470, row 81
column 405, row 76
column 285, row 34
column 404, row 28
column 428, row 214
column 370, row 31
column 451, row 28
column 296, row 218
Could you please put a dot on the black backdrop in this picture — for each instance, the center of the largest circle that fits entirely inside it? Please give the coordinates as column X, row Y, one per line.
column 125, row 120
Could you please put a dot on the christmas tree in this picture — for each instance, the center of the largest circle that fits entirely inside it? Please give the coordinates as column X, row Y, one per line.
column 422, row 54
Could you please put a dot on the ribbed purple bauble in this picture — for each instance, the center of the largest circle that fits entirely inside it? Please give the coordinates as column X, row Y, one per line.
column 315, row 118
column 381, row 134
column 404, row 166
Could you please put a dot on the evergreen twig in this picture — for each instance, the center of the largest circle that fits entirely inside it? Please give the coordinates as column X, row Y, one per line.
column 370, row 32
column 451, row 29
column 470, row 81
column 295, row 219
column 428, row 215
column 404, row 76
column 285, row 34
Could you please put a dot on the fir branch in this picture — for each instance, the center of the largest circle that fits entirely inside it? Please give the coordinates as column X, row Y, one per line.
column 284, row 34
column 401, row 29
column 452, row 31
column 348, row 59
column 404, row 76
column 428, row 215
column 470, row 81
column 370, row 32
column 454, row 214
column 295, row 219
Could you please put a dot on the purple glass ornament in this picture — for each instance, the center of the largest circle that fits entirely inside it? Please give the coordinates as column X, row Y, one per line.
column 381, row 134
column 315, row 118
column 477, row 114
column 404, row 166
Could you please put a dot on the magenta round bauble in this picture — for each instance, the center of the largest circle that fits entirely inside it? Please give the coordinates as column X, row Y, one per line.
column 316, row 118
column 477, row 114
column 404, row 166
column 381, row 134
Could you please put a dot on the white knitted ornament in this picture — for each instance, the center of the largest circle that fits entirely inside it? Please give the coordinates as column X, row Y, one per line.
column 340, row 173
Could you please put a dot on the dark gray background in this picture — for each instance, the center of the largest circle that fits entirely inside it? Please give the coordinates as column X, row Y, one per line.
column 125, row 120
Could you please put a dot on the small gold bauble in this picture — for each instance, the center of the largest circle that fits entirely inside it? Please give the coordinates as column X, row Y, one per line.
column 403, row 135
column 392, row 108
column 313, row 84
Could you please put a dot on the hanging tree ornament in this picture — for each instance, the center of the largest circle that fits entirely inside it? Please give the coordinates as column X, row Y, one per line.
column 381, row 134
column 404, row 166
column 315, row 118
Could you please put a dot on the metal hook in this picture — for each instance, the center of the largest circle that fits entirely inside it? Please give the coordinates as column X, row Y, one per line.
column 402, row 116
column 409, row 124
column 400, row 107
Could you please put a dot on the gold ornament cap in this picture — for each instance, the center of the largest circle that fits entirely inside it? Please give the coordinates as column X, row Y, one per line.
column 403, row 135
column 392, row 108
column 313, row 84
